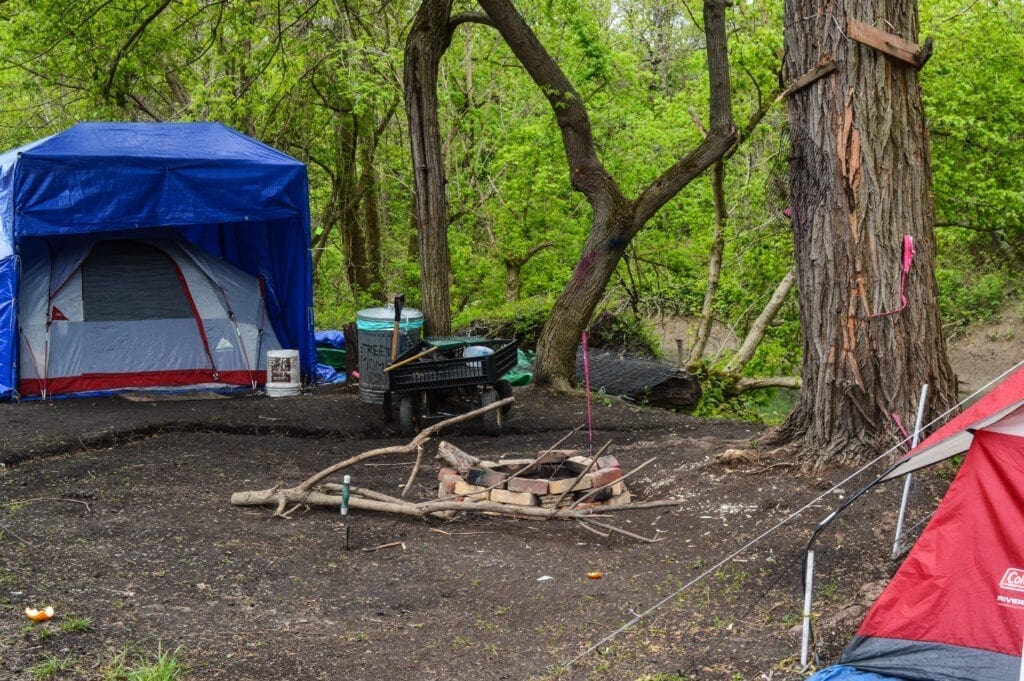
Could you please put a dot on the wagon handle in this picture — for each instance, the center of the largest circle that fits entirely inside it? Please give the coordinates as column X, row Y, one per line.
column 399, row 303
column 410, row 360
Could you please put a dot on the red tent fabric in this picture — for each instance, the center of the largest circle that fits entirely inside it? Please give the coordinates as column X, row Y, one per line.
column 1001, row 410
column 954, row 611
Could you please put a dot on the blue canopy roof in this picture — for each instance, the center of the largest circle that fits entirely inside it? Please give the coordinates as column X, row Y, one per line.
column 231, row 195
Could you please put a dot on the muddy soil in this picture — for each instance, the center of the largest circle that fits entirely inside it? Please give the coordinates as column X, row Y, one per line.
column 116, row 513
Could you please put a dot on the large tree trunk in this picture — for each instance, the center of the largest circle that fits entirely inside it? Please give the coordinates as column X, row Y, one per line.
column 428, row 39
column 861, row 179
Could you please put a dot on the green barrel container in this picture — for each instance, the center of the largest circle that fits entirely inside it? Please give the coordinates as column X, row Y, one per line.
column 375, row 327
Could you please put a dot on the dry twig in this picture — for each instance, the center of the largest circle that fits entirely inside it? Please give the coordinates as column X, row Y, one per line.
column 385, row 546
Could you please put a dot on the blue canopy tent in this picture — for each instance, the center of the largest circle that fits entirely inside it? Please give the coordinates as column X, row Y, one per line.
column 203, row 184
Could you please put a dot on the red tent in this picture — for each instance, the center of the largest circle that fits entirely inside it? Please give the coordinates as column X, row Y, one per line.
column 954, row 611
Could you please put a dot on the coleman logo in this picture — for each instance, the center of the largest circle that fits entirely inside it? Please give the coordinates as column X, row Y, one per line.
column 1013, row 579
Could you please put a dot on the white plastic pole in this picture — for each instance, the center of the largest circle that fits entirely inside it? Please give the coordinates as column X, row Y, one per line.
column 805, row 640
column 906, row 483
column 1020, row 674
column 345, row 482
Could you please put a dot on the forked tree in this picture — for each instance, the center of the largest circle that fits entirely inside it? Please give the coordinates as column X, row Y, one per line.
column 860, row 180
column 616, row 218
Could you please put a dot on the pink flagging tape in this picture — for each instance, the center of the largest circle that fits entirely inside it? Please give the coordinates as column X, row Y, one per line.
column 908, row 259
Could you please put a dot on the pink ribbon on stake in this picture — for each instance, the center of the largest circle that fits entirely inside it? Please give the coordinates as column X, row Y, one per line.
column 908, row 258
column 586, row 382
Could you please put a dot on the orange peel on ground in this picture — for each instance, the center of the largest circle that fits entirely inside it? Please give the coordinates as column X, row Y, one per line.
column 39, row 615
column 594, row 575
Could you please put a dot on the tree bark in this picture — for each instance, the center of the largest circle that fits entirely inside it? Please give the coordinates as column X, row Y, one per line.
column 616, row 219
column 860, row 177
column 428, row 39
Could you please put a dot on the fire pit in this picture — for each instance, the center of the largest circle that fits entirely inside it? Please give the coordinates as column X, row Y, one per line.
column 556, row 479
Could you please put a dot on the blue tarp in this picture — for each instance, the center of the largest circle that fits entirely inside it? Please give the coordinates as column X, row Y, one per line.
column 231, row 195
column 843, row 673
column 330, row 338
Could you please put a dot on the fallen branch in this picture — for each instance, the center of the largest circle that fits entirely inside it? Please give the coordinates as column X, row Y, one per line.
column 627, row 533
column 781, row 464
column 423, row 436
column 424, row 508
column 415, row 470
column 362, row 492
column 564, row 438
column 70, row 501
column 745, row 383
column 385, row 546
column 589, row 528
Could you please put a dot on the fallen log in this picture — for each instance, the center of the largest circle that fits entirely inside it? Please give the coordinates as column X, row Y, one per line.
column 425, row 508
column 453, row 457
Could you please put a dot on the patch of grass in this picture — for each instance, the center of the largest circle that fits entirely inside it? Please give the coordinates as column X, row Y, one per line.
column 829, row 590
column 73, row 624
column 49, row 667
column 129, row 666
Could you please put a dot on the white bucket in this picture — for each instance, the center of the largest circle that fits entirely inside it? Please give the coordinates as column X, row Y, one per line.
column 282, row 373
column 476, row 351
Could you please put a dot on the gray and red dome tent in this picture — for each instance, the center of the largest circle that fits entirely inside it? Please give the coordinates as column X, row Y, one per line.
column 954, row 611
column 151, row 254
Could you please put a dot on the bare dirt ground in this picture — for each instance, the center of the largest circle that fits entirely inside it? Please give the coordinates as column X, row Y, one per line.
column 117, row 514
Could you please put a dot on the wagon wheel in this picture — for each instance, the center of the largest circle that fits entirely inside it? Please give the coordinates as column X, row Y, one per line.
column 504, row 389
column 407, row 416
column 494, row 419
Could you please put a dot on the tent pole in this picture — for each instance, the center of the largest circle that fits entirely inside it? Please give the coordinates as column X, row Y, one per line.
column 1020, row 674
column 805, row 639
column 906, row 483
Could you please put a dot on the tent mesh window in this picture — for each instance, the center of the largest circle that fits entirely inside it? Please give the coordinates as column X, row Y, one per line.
column 129, row 281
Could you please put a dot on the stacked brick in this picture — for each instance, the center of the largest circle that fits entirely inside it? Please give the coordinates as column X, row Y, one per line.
column 562, row 477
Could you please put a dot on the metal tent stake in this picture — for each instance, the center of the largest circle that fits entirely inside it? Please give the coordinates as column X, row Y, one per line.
column 906, row 483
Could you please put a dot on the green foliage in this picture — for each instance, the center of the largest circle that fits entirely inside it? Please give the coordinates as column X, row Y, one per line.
column 522, row 321
column 972, row 283
column 974, row 101
column 720, row 398
column 971, row 297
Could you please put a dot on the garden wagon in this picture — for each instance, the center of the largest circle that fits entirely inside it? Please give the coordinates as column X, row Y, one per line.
column 441, row 377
